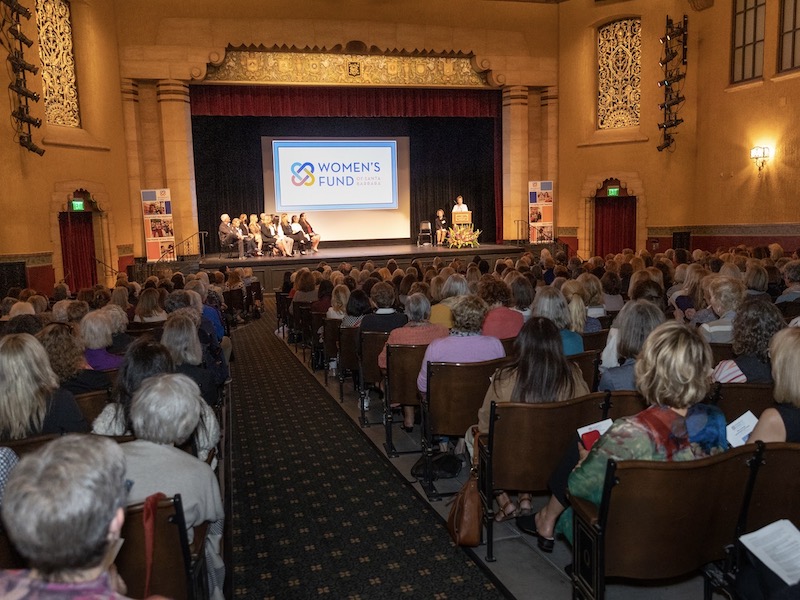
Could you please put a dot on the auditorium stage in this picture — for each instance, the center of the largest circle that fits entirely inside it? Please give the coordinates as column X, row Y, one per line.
column 270, row 269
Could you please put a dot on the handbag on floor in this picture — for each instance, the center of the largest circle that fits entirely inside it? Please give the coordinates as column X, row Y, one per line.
column 464, row 520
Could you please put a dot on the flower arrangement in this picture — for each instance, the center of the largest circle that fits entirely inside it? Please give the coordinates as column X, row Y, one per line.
column 461, row 236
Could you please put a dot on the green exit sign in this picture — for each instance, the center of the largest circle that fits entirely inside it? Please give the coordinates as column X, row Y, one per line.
column 77, row 204
column 613, row 191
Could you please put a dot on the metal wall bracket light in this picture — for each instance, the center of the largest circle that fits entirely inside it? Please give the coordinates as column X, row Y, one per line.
column 759, row 155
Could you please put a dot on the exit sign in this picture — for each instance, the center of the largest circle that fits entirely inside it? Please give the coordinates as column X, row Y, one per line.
column 77, row 204
column 613, row 191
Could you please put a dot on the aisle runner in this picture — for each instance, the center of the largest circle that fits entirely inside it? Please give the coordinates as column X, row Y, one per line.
column 316, row 511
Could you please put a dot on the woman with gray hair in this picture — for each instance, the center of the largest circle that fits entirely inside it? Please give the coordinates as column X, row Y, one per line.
column 418, row 331
column 551, row 304
column 181, row 338
column 164, row 412
column 67, row 536
column 453, row 288
column 96, row 330
column 31, row 403
column 634, row 323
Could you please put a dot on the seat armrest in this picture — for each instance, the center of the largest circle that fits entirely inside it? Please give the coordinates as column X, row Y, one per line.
column 584, row 509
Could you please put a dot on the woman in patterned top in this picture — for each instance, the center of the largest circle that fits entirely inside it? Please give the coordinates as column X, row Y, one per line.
column 672, row 374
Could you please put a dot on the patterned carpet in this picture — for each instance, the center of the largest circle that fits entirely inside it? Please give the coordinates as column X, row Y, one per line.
column 317, row 511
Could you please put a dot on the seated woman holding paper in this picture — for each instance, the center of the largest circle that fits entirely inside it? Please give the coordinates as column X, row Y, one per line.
column 755, row 324
column 672, row 374
column 782, row 423
column 538, row 373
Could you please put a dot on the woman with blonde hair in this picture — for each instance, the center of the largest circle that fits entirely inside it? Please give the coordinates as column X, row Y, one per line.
column 782, row 423
column 31, row 403
column 298, row 237
column 339, row 298
column 690, row 299
column 255, row 232
column 575, row 294
column 671, row 373
column 593, row 294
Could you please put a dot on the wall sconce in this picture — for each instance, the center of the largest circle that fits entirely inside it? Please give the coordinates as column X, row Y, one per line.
column 759, row 155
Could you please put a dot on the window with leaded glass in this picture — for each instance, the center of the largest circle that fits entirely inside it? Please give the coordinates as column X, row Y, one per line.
column 790, row 36
column 748, row 40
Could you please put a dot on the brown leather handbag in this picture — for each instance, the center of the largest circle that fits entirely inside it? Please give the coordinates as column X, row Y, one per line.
column 464, row 520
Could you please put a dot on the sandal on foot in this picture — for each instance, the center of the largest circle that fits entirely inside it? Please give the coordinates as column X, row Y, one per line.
column 525, row 507
column 507, row 511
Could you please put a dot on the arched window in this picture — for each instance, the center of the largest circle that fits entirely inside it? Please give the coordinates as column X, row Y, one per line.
column 619, row 53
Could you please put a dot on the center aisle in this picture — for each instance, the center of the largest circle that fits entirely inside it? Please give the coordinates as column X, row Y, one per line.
column 317, row 511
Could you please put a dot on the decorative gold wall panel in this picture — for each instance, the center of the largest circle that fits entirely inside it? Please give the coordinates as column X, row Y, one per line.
column 60, row 85
column 619, row 57
column 310, row 68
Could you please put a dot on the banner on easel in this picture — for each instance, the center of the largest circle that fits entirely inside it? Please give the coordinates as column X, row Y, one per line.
column 159, row 232
column 540, row 212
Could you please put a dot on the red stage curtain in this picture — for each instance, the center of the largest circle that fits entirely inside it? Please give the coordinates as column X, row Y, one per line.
column 77, row 247
column 614, row 224
column 281, row 101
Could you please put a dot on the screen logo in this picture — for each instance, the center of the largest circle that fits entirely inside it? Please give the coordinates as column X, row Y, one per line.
column 303, row 174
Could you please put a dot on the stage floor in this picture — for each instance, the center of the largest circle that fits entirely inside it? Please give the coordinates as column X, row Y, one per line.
column 270, row 269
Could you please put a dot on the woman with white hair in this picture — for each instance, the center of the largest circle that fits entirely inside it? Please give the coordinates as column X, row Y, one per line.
column 65, row 536
column 31, row 402
column 165, row 411
column 418, row 331
column 96, row 330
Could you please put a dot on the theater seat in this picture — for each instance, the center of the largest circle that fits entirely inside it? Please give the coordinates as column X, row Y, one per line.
column 425, row 231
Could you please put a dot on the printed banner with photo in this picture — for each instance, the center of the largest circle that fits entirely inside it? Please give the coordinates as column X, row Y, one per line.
column 159, row 232
column 540, row 212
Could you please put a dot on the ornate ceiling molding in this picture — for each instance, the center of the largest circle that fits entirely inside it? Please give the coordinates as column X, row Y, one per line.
column 353, row 65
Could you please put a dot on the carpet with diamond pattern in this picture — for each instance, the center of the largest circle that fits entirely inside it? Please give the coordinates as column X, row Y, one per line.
column 317, row 512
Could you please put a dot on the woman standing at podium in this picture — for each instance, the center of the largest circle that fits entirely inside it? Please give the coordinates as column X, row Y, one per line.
column 459, row 205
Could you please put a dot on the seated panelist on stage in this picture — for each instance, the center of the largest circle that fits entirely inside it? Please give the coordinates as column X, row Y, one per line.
column 244, row 231
column 440, row 226
column 228, row 234
column 459, row 205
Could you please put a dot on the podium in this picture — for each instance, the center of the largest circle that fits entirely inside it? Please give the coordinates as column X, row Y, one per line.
column 462, row 218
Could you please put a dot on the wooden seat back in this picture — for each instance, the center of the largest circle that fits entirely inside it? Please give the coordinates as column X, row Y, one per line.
column 349, row 340
column 623, row 403
column 170, row 574
column 776, row 494
column 455, row 393
column 595, row 341
column 317, row 324
column 588, row 362
column 722, row 352
column 679, row 516
column 539, row 432
column 735, row 399
column 330, row 338
column 509, row 346
column 91, row 404
column 302, row 320
column 282, row 302
column 29, row 444
column 372, row 342
column 234, row 299
column 403, row 364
